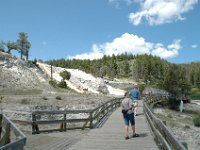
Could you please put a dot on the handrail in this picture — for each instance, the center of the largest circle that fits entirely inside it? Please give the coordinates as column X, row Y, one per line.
column 163, row 136
column 11, row 137
column 91, row 117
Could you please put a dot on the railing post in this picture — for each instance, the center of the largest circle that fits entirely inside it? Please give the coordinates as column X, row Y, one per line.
column 65, row 126
column 91, row 120
column 35, row 127
column 7, row 136
column 1, row 119
column 185, row 145
column 119, row 102
column 103, row 107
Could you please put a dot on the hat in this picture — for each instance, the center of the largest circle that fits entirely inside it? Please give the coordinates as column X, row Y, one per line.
column 136, row 85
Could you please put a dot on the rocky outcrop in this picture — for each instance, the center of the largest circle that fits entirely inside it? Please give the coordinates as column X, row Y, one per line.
column 19, row 74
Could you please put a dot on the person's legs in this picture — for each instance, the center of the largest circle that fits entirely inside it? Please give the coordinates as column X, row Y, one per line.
column 134, row 133
column 135, row 108
column 133, row 129
column 132, row 120
column 126, row 122
column 126, row 132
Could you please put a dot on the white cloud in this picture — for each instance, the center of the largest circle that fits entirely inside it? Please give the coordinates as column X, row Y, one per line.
column 169, row 52
column 132, row 44
column 160, row 12
column 194, row 46
column 95, row 54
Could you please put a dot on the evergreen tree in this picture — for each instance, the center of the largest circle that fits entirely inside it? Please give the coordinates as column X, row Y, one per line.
column 2, row 46
column 23, row 44
column 11, row 45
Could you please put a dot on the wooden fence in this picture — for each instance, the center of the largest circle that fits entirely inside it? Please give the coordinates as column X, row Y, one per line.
column 79, row 119
column 11, row 138
column 163, row 136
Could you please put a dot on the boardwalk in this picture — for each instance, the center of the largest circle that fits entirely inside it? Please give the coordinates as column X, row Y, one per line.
column 109, row 136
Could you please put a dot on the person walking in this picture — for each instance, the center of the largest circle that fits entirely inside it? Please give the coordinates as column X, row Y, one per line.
column 135, row 93
column 128, row 115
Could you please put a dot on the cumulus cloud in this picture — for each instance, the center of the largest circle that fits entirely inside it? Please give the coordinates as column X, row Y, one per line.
column 194, row 46
column 94, row 54
column 169, row 52
column 160, row 12
column 131, row 44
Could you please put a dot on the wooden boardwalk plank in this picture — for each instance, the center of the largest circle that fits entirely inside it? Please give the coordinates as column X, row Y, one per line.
column 111, row 135
column 53, row 141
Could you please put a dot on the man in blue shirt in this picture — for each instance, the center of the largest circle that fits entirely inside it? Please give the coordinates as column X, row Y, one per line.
column 135, row 93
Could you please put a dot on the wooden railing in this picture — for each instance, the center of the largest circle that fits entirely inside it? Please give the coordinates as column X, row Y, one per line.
column 79, row 119
column 163, row 136
column 11, row 138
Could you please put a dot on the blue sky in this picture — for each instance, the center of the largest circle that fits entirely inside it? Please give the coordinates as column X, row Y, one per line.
column 88, row 29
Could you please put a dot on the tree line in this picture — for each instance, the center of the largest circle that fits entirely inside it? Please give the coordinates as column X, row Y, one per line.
column 151, row 70
column 22, row 45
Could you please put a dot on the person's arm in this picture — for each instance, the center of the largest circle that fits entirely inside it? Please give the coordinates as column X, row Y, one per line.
column 122, row 106
column 131, row 106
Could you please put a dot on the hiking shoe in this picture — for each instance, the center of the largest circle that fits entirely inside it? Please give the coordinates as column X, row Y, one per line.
column 126, row 138
column 135, row 135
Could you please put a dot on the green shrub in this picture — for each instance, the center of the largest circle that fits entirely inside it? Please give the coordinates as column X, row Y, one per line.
column 1, row 98
column 196, row 120
column 58, row 98
column 141, row 87
column 62, row 84
column 173, row 103
column 186, row 127
column 170, row 116
column 24, row 101
column 65, row 75
column 53, row 83
column 44, row 98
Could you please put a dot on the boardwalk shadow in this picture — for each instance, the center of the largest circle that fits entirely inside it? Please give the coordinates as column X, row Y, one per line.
column 139, row 114
column 143, row 134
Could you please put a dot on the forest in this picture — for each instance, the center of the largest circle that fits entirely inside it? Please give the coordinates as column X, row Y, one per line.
column 151, row 70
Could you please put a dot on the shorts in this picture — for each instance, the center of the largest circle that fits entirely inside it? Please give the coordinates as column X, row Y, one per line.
column 129, row 118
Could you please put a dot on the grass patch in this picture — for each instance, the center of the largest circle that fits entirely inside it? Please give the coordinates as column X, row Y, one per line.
column 196, row 120
column 21, row 92
column 195, row 94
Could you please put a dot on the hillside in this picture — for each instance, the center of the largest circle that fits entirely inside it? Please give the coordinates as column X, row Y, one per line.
column 24, row 88
column 18, row 76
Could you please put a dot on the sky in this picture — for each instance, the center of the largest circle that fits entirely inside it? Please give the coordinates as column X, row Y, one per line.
column 89, row 29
